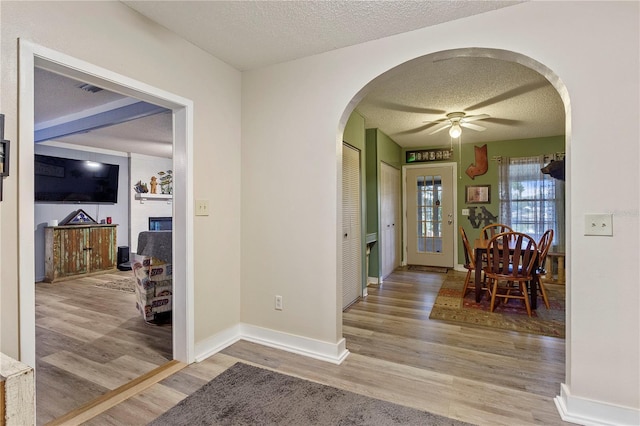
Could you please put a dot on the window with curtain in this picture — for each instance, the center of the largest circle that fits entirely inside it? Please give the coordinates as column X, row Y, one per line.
column 530, row 201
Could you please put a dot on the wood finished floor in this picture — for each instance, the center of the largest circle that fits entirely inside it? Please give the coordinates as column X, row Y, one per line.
column 90, row 340
column 478, row 375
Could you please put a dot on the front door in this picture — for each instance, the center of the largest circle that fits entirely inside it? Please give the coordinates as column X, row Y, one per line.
column 430, row 216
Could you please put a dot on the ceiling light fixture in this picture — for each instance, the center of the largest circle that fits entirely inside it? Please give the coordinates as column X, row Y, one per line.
column 455, row 131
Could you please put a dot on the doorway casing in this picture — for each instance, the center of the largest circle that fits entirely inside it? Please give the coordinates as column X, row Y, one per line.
column 32, row 55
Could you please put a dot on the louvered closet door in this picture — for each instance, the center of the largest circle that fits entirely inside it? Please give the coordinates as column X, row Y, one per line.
column 351, row 231
column 389, row 219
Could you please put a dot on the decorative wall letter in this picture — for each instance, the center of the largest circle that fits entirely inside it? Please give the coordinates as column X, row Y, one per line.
column 481, row 165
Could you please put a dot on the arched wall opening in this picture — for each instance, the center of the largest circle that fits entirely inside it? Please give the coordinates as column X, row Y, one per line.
column 498, row 54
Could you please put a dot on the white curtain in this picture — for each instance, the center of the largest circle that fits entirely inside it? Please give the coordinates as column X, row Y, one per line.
column 530, row 201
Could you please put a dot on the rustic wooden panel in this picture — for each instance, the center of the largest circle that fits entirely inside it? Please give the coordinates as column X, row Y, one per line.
column 103, row 248
column 72, row 251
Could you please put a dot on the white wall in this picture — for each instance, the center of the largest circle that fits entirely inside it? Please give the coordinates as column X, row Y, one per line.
column 112, row 36
column 142, row 168
column 290, row 198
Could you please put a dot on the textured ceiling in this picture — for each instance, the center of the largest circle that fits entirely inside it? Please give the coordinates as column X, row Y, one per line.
column 248, row 34
column 59, row 99
column 252, row 34
column 520, row 102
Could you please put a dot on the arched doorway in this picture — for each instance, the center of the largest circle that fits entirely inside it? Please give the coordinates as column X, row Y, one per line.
column 397, row 74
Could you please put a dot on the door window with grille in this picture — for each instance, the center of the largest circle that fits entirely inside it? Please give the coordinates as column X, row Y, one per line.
column 429, row 213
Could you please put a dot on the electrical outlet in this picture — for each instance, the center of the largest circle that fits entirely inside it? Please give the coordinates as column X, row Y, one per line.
column 598, row 224
column 202, row 207
column 278, row 303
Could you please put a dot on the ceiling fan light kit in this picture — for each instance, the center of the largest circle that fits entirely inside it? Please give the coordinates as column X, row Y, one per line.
column 455, row 131
column 456, row 120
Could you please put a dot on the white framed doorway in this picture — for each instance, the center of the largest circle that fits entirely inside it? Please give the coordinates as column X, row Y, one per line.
column 429, row 207
column 32, row 55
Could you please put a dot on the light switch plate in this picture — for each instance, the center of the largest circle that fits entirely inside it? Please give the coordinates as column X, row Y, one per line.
column 465, row 212
column 202, row 207
column 598, row 224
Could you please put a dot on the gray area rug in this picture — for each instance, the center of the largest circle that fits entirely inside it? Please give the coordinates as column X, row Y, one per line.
column 127, row 285
column 247, row 395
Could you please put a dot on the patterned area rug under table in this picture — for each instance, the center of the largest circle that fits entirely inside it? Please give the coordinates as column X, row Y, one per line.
column 450, row 306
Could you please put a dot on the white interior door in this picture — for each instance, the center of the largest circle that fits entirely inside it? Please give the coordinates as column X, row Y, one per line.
column 351, row 226
column 430, row 216
column 389, row 219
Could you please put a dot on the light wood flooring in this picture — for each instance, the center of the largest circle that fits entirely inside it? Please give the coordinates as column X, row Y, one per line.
column 478, row 375
column 90, row 340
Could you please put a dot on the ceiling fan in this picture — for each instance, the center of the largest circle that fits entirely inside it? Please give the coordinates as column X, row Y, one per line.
column 456, row 120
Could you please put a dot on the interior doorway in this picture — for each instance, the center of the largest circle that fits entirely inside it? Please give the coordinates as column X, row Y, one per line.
column 32, row 56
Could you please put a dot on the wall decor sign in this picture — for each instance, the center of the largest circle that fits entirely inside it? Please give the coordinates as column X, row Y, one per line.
column 484, row 217
column 477, row 194
column 424, row 155
column 481, row 164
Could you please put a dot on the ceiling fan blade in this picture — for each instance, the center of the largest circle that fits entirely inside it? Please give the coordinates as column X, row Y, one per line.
column 440, row 127
column 473, row 126
column 407, row 108
column 503, row 121
column 469, row 118
column 510, row 94
column 441, row 120
column 415, row 130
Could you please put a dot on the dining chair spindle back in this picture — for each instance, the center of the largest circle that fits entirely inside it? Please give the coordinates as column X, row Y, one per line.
column 470, row 265
column 511, row 257
column 494, row 229
column 543, row 249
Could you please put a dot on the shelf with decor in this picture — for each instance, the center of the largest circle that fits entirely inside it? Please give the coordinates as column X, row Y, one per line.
column 142, row 197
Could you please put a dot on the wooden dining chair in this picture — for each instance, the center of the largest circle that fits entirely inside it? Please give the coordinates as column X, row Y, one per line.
column 470, row 266
column 493, row 229
column 543, row 249
column 511, row 257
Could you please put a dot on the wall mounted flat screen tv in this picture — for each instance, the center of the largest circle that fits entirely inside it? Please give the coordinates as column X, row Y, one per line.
column 64, row 180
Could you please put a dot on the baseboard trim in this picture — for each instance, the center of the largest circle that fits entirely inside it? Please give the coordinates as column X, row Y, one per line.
column 324, row 351
column 459, row 268
column 373, row 280
column 330, row 352
column 214, row 344
column 589, row 412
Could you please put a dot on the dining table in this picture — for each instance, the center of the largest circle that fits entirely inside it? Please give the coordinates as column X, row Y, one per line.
column 480, row 250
